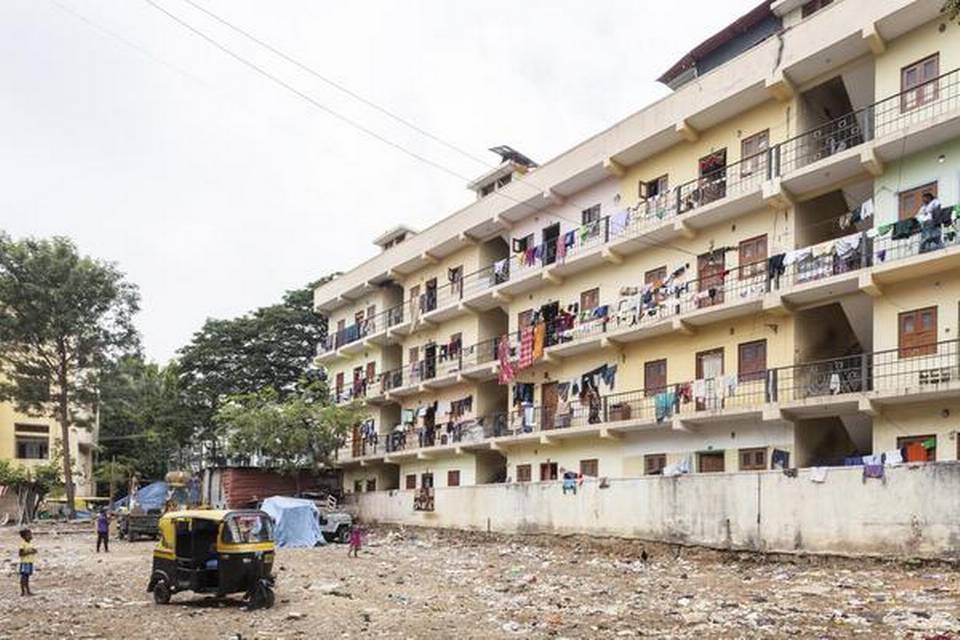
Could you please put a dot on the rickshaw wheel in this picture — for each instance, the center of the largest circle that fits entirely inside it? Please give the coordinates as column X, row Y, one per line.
column 269, row 598
column 262, row 597
column 161, row 593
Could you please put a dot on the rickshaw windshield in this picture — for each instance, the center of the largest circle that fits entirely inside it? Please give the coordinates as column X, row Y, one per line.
column 246, row 528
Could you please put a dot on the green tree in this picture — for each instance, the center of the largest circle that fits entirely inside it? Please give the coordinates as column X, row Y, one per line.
column 114, row 472
column 298, row 432
column 952, row 9
column 32, row 485
column 145, row 421
column 270, row 347
column 62, row 317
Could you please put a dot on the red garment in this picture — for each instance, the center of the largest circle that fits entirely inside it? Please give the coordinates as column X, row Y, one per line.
column 526, row 348
column 561, row 249
column 506, row 367
column 916, row 452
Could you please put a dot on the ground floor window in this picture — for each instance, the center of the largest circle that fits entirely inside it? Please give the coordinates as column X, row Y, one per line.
column 654, row 463
column 524, row 473
column 411, row 481
column 453, row 478
column 754, row 459
column 919, row 448
column 548, row 471
column 590, row 468
column 711, row 462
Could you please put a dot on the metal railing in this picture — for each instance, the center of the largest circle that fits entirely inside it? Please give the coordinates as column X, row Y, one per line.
column 365, row 328
column 902, row 371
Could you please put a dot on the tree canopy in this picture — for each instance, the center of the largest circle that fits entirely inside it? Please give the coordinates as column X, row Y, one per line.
column 63, row 316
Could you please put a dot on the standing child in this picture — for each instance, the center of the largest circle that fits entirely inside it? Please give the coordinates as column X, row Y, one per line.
column 103, row 531
column 356, row 536
column 28, row 556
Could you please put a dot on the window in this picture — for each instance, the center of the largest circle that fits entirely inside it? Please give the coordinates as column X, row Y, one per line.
column 591, row 214
column 32, row 447
column 753, row 257
column 654, row 377
column 752, row 360
column 338, row 384
column 371, row 484
column 411, row 481
column 414, row 355
column 753, row 154
column 426, row 480
column 753, row 459
column 655, row 188
column 504, row 181
column 548, row 471
column 654, row 276
column 916, row 83
column 520, row 245
column 918, row 332
column 928, row 442
column 371, row 372
column 589, row 300
column 654, row 463
column 358, row 486
column 453, row 478
column 590, row 468
column 813, row 6
column 524, row 473
column 710, row 462
column 912, row 200
column 487, row 189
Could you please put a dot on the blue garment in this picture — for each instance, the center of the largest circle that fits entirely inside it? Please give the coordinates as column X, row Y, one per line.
column 853, row 461
column 663, row 405
column 26, row 568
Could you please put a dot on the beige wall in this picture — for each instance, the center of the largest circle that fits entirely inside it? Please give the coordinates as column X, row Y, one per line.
column 913, row 47
column 939, row 418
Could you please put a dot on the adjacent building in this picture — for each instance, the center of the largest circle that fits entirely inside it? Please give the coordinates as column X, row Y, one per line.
column 743, row 275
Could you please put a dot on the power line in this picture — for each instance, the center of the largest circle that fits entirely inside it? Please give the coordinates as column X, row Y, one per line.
column 350, row 122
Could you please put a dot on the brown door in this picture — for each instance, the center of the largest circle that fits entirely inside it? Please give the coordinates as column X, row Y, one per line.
column 710, row 462
column 371, row 372
column 357, row 447
column 753, row 154
column 654, row 377
column 918, row 332
column 338, row 385
column 548, row 400
column 710, row 274
column 710, row 370
column 752, row 360
column 917, row 83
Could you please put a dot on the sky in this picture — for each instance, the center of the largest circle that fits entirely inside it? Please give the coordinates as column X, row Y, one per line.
column 215, row 190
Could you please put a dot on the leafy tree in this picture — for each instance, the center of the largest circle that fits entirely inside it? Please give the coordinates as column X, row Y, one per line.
column 298, row 432
column 114, row 472
column 62, row 317
column 32, row 485
column 144, row 418
column 268, row 348
column 952, row 9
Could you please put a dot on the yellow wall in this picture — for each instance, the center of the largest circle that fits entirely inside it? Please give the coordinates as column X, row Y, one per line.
column 941, row 290
column 913, row 47
column 940, row 418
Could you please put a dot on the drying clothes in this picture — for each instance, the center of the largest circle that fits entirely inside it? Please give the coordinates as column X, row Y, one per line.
column 834, row 383
column 507, row 373
column 663, row 404
column 700, row 389
column 528, row 417
column 884, row 229
column 872, row 471
column 776, row 267
column 930, row 443
column 853, row 461
column 797, row 255
column 518, row 245
column 569, row 239
column 730, row 385
column 501, row 271
column 684, row 392
column 677, row 468
column 931, row 238
column 818, row 474
column 790, row 473
column 525, row 359
column 893, row 457
column 873, row 459
column 539, row 333
column 847, row 245
column 866, row 209
column 845, row 221
column 563, row 391
column 561, row 250
column 779, row 459
column 406, row 416
column 609, row 376
column 905, row 229
column 523, row 393
column 619, row 222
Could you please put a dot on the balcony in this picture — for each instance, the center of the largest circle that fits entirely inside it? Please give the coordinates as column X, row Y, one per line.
column 355, row 338
column 836, row 386
column 475, row 363
column 855, row 143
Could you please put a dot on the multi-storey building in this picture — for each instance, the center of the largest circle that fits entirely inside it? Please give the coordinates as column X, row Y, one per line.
column 741, row 276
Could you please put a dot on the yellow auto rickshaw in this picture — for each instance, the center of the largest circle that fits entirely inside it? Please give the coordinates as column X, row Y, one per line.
column 218, row 552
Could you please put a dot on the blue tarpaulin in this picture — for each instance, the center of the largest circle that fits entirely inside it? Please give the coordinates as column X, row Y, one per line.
column 150, row 498
column 295, row 521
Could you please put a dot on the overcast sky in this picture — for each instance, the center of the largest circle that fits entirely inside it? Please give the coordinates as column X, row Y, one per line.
column 215, row 190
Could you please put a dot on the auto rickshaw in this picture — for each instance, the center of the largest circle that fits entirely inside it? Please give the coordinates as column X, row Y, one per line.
column 219, row 552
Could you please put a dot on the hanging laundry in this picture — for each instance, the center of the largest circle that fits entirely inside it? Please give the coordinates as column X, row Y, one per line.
column 677, row 468
column 866, row 209
column 847, row 245
column 730, row 385
column 561, row 249
column 684, row 392
column 619, row 222
column 873, row 459
column 853, row 461
column 916, row 452
column 905, row 229
column 539, row 333
column 818, row 474
column 525, row 360
column 779, row 459
column 776, row 267
column 528, row 417
column 663, row 404
column 893, row 457
column 501, row 271
column 609, row 376
column 834, row 383
column 506, row 367
column 872, row 471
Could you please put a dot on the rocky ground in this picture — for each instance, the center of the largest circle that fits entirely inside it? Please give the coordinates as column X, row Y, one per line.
column 425, row 584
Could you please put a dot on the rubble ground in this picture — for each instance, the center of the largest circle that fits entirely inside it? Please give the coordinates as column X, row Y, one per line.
column 420, row 583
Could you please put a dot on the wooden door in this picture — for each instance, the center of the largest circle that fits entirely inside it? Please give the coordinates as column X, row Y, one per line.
column 548, row 471
column 710, row 276
column 357, row 442
column 752, row 360
column 549, row 398
column 710, row 462
column 918, row 83
column 654, row 377
column 918, row 332
column 550, row 235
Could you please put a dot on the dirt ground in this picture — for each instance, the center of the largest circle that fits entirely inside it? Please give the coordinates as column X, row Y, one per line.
column 426, row 584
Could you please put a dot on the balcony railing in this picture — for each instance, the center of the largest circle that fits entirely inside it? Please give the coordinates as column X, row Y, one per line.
column 894, row 372
column 365, row 328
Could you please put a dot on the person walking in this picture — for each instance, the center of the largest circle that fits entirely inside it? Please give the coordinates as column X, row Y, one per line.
column 103, row 531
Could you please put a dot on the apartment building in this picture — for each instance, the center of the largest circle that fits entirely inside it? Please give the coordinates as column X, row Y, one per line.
column 757, row 271
column 30, row 441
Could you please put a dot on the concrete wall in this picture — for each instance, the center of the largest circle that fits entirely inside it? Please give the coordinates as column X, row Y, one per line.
column 912, row 512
